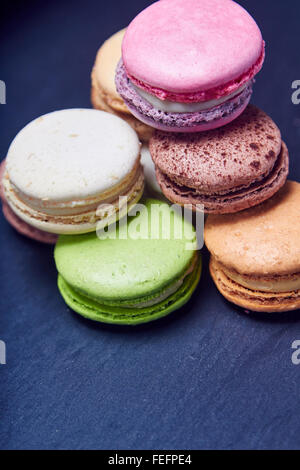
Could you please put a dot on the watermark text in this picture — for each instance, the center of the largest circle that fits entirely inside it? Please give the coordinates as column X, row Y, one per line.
column 296, row 353
column 296, row 93
column 153, row 222
column 2, row 352
column 2, row 92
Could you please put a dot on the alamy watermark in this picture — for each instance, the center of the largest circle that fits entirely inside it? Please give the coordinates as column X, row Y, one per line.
column 2, row 92
column 296, row 93
column 296, row 353
column 2, row 352
column 154, row 221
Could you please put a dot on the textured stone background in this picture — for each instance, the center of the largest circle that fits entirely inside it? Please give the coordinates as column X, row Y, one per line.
column 208, row 376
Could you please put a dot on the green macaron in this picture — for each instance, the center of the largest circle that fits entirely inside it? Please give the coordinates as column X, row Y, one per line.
column 142, row 269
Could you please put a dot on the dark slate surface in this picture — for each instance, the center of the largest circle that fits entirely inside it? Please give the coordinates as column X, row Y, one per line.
column 208, row 376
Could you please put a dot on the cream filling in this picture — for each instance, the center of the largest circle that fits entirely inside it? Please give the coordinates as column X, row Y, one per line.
column 174, row 107
column 171, row 290
column 168, row 291
column 265, row 284
column 79, row 223
column 76, row 207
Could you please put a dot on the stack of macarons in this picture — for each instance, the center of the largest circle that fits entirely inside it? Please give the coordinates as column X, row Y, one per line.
column 70, row 177
column 189, row 65
column 105, row 97
column 76, row 176
column 191, row 79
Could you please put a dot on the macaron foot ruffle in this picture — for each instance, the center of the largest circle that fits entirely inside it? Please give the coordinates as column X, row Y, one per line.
column 101, row 312
column 180, row 122
column 253, row 300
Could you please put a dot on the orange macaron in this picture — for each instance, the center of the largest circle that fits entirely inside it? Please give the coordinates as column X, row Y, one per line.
column 255, row 254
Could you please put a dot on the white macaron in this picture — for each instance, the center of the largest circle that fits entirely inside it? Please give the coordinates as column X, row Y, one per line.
column 62, row 167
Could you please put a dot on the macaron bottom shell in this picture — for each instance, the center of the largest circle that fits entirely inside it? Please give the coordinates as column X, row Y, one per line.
column 101, row 312
column 234, row 200
column 82, row 223
column 254, row 300
column 18, row 224
column 200, row 127
column 209, row 119
column 25, row 229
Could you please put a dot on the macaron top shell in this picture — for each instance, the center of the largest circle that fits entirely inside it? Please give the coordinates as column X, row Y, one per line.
column 192, row 45
column 262, row 240
column 229, row 157
column 71, row 154
column 114, row 269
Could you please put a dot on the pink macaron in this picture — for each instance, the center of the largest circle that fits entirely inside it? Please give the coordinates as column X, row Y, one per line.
column 194, row 66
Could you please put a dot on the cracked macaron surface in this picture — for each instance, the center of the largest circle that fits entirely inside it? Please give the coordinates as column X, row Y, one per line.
column 255, row 254
column 194, row 65
column 227, row 169
column 128, row 279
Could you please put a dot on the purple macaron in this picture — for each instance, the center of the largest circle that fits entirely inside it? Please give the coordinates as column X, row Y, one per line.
column 179, row 122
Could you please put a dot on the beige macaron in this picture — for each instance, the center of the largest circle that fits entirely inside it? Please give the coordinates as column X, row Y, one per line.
column 73, row 171
column 255, row 254
column 104, row 95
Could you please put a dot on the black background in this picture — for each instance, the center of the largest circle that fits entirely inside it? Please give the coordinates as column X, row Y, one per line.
column 208, row 376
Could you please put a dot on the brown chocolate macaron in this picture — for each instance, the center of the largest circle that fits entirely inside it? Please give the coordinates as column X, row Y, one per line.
column 255, row 254
column 227, row 169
